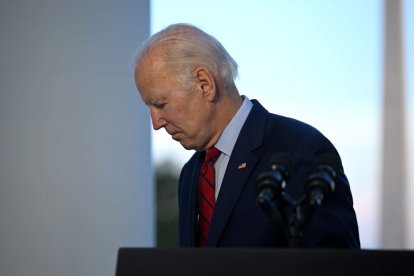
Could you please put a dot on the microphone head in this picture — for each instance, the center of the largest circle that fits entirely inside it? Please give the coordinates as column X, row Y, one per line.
column 276, row 175
column 281, row 161
column 328, row 160
column 271, row 183
column 324, row 174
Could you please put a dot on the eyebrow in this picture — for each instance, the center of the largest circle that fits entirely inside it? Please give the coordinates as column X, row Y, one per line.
column 157, row 104
column 157, row 101
column 154, row 102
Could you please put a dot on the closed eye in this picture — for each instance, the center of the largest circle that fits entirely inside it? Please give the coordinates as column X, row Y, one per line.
column 159, row 105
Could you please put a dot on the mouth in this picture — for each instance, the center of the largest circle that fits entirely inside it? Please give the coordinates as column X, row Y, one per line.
column 175, row 135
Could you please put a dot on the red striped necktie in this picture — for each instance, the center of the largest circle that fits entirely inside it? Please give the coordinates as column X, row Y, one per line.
column 206, row 195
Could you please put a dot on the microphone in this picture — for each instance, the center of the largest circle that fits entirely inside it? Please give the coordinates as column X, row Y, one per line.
column 322, row 181
column 271, row 183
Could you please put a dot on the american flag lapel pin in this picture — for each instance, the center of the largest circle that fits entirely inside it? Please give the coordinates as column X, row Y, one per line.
column 242, row 166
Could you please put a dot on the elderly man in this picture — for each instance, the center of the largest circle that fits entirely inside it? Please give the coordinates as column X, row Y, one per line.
column 186, row 78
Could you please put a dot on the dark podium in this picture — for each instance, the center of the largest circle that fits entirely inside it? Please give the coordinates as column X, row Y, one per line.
column 290, row 262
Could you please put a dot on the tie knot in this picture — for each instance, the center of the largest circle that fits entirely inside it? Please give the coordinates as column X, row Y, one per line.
column 212, row 155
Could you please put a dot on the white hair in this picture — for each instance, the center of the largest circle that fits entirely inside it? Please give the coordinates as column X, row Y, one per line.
column 186, row 48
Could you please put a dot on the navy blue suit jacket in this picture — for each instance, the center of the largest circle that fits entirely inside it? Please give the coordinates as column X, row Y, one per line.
column 238, row 220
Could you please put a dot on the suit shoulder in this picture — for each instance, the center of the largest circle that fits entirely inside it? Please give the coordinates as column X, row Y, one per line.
column 290, row 126
column 278, row 123
column 299, row 136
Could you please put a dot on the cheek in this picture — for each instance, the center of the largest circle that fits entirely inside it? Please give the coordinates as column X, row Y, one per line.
column 200, row 122
column 192, row 117
column 190, row 122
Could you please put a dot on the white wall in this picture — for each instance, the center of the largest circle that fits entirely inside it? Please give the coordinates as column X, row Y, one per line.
column 76, row 177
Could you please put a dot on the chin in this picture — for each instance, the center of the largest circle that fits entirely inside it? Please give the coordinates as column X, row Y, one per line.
column 189, row 147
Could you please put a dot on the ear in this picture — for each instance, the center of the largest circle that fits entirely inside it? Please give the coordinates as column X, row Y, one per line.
column 205, row 83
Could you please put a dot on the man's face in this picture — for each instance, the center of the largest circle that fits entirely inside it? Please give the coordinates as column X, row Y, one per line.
column 185, row 115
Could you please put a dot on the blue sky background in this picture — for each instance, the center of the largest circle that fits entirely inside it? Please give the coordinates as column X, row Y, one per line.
column 319, row 61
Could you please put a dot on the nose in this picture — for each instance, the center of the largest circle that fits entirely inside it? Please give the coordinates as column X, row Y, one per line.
column 157, row 120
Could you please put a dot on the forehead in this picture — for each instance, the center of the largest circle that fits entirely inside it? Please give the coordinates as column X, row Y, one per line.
column 153, row 80
column 149, row 67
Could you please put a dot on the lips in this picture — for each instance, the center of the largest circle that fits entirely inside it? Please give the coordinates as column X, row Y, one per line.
column 175, row 136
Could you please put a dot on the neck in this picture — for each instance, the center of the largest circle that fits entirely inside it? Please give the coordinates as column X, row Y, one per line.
column 226, row 108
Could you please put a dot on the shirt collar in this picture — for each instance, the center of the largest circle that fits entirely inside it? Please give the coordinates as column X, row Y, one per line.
column 230, row 134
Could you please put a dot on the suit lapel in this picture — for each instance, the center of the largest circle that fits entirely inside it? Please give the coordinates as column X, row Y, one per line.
column 239, row 168
column 192, row 209
column 233, row 184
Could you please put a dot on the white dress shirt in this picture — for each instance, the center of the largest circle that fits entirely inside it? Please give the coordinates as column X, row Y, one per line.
column 228, row 139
